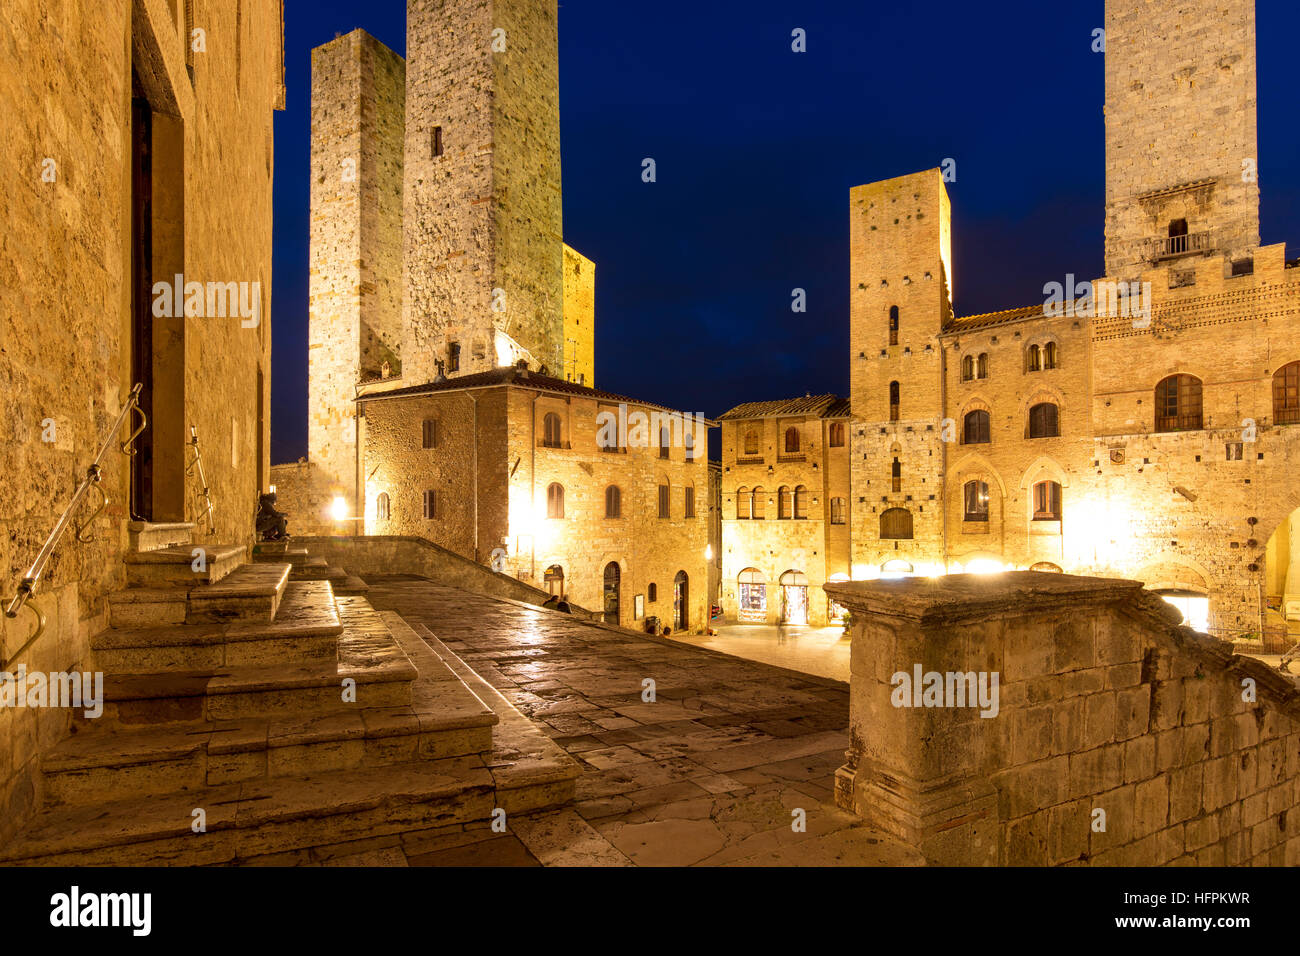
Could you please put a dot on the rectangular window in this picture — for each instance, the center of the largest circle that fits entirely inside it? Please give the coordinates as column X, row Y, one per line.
column 453, row 357
column 436, row 141
column 837, row 511
column 663, row 501
column 429, row 437
column 430, row 505
column 689, row 511
column 1233, row 450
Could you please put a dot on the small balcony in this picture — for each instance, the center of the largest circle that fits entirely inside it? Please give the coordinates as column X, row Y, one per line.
column 1175, row 247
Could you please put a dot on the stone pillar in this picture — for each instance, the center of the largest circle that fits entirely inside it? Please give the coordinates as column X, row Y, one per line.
column 934, row 775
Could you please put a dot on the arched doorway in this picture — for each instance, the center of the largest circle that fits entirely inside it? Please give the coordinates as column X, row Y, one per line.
column 613, row 578
column 895, row 569
column 835, row 612
column 555, row 580
column 752, row 595
column 794, row 598
column 681, row 601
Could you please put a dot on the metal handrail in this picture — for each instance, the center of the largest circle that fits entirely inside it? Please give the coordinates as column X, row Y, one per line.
column 94, row 475
column 204, row 493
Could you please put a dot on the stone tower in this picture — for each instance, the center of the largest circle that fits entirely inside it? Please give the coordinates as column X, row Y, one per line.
column 484, row 280
column 358, row 96
column 900, row 234
column 1181, row 147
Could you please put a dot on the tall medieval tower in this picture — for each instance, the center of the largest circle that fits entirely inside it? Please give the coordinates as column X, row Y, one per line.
column 900, row 234
column 1181, row 145
column 483, row 259
column 355, row 297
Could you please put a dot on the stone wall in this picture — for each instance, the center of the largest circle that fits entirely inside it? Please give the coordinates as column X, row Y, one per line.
column 388, row 554
column 482, row 202
column 1117, row 737
column 1180, row 109
column 579, row 319
column 306, row 494
column 355, row 299
column 66, row 297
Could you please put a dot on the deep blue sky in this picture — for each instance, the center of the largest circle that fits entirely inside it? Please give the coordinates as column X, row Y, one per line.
column 757, row 148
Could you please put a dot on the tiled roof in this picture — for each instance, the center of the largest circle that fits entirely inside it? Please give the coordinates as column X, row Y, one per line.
column 819, row 406
column 520, row 378
column 970, row 323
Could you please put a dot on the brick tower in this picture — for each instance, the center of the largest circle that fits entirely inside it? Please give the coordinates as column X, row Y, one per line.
column 1181, row 146
column 355, row 311
column 484, row 282
column 900, row 233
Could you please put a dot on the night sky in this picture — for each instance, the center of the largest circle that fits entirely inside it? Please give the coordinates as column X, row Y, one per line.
column 757, row 148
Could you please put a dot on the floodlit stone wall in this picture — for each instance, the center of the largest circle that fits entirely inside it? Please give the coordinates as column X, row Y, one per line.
column 1110, row 736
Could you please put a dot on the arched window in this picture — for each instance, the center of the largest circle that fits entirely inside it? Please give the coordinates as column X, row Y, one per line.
column 968, row 368
column 688, row 501
column 1047, row 566
column 664, row 440
column 893, row 325
column 1049, row 355
column 896, row 524
column 429, row 433
column 1033, row 359
column 894, row 401
column 1044, row 421
column 742, row 503
column 382, row 506
column 837, row 435
column 896, row 475
column 613, row 502
column 783, row 502
column 837, row 511
column 1286, row 395
column 800, row 503
column 551, row 431
column 982, row 366
column 555, row 500
column 1047, row 501
column 1178, row 404
column 652, row 592
column 758, row 508
column 665, row 500
column 431, row 505
column 976, row 496
column 792, row 441
column 975, row 427
column 751, row 442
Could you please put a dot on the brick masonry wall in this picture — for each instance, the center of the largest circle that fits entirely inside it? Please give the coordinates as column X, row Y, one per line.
column 65, row 299
column 1191, row 753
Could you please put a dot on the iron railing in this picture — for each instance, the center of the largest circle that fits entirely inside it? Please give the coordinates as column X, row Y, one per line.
column 1170, row 247
column 91, row 482
column 205, row 509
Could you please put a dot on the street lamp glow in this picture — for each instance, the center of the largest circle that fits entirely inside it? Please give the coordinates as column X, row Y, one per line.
column 339, row 509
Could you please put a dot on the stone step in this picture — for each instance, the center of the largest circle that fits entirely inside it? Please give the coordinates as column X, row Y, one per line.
column 105, row 762
column 306, row 628
column 252, row 593
column 379, row 672
column 175, row 565
column 318, row 569
column 351, row 585
column 285, row 555
column 258, row 818
column 151, row 536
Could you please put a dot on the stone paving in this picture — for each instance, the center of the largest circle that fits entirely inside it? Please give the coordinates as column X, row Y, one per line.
column 821, row 651
column 710, row 773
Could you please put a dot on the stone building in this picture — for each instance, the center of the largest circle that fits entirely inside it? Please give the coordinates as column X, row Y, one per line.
column 436, row 225
column 785, row 509
column 595, row 497
column 136, row 191
column 1139, row 425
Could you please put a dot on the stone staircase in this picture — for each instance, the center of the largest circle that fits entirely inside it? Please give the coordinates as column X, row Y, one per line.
column 307, row 568
column 290, row 715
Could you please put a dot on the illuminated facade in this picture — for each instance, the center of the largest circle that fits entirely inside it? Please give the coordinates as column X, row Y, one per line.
column 1141, row 425
column 593, row 496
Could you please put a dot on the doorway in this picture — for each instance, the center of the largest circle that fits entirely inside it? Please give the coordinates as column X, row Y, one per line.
column 794, row 598
column 142, row 464
column 555, row 580
column 681, row 601
column 613, row 578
